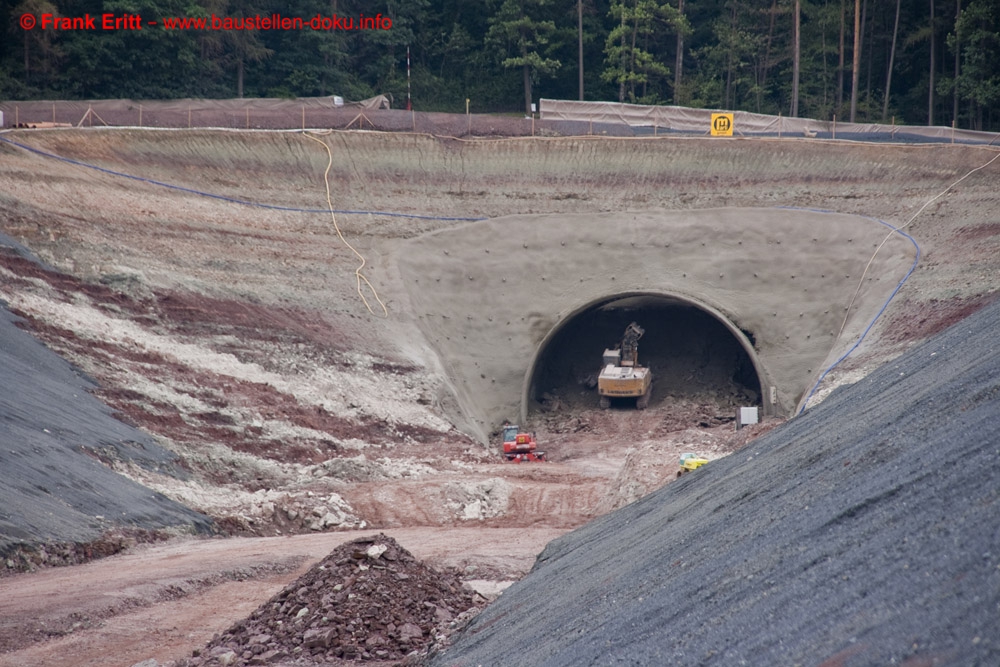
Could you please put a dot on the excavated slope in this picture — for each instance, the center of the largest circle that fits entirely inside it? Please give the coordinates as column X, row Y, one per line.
column 262, row 301
column 862, row 533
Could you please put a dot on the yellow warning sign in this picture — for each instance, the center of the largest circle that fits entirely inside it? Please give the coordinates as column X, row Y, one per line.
column 722, row 124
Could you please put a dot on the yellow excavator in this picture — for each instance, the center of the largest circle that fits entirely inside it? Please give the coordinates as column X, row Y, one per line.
column 621, row 375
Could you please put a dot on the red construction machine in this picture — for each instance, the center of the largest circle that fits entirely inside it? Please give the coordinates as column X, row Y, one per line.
column 518, row 446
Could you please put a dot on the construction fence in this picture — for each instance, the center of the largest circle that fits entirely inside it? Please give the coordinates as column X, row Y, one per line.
column 684, row 120
column 555, row 118
column 284, row 114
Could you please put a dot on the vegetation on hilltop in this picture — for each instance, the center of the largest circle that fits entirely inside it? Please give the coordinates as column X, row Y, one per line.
column 918, row 61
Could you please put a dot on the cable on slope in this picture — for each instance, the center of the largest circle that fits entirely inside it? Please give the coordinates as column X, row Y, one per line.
column 360, row 277
column 904, row 226
column 893, row 230
column 241, row 202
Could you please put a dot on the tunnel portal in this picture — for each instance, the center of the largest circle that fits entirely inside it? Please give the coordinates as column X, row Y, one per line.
column 691, row 353
column 520, row 305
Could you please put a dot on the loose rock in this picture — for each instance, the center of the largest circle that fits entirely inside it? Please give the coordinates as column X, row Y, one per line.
column 369, row 599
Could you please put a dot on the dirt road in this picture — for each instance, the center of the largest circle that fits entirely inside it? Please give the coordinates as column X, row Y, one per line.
column 162, row 601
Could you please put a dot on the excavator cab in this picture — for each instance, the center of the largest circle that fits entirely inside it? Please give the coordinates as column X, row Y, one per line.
column 621, row 375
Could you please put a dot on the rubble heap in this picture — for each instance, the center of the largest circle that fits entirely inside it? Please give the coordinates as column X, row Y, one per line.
column 369, row 600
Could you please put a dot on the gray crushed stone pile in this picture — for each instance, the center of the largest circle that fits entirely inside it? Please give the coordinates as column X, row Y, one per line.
column 865, row 532
column 368, row 600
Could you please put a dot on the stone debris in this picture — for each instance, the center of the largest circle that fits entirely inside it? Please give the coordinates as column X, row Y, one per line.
column 369, row 600
column 479, row 499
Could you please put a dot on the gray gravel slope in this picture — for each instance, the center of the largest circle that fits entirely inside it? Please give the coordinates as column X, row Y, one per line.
column 51, row 430
column 866, row 531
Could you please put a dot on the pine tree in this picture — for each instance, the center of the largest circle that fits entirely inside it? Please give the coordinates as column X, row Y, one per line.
column 516, row 32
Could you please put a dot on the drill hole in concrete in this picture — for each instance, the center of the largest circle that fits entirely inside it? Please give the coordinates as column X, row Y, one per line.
column 692, row 354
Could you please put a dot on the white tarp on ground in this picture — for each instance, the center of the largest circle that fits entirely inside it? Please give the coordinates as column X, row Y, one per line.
column 684, row 119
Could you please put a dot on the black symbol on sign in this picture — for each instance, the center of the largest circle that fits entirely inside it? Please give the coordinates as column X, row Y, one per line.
column 722, row 124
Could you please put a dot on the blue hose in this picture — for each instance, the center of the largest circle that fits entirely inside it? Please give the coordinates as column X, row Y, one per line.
column 885, row 305
column 241, row 202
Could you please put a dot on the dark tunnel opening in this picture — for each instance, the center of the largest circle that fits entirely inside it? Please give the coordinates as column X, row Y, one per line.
column 692, row 355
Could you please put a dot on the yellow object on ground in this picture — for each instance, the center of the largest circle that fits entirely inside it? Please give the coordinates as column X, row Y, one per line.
column 692, row 461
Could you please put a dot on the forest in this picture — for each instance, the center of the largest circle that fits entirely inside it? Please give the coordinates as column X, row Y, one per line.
column 917, row 62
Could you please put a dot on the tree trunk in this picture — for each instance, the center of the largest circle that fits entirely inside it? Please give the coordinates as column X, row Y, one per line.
column 645, row 47
column 856, row 66
column 729, row 62
column 796, row 26
column 621, row 82
column 930, row 91
column 892, row 60
column 579, row 41
column 840, row 64
column 679, row 61
column 865, row 25
column 762, row 75
column 631, row 64
column 239, row 78
column 27, row 58
column 826, row 75
column 958, row 53
column 527, row 90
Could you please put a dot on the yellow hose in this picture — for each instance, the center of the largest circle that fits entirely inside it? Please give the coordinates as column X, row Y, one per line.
column 358, row 271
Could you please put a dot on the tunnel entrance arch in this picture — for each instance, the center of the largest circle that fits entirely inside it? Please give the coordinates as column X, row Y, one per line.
column 693, row 351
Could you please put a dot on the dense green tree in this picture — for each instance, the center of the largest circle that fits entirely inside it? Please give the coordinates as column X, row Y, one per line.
column 517, row 32
column 979, row 78
column 734, row 54
column 630, row 60
column 37, row 42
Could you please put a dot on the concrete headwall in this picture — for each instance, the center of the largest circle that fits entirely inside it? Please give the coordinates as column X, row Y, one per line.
column 487, row 294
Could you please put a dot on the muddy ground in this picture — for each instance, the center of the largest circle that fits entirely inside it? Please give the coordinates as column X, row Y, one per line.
column 235, row 337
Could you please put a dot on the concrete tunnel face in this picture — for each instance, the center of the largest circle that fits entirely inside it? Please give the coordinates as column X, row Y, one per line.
column 693, row 353
column 493, row 300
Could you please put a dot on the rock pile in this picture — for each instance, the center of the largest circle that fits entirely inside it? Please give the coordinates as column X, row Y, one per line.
column 369, row 600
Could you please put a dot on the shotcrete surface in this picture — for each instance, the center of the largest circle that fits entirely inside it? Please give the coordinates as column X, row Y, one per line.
column 487, row 294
